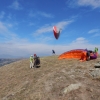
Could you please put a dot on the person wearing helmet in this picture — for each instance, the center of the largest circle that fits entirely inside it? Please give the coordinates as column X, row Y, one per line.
column 35, row 56
column 36, row 61
column 31, row 61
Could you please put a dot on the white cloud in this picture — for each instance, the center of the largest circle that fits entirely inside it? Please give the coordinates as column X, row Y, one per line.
column 31, row 14
column 80, row 40
column 96, row 35
column 10, row 25
column 3, row 28
column 14, row 46
column 43, row 14
column 43, row 39
column 92, row 3
column 16, row 5
column 9, row 16
column 25, row 49
column 43, row 30
column 93, row 31
column 63, row 24
column 48, row 28
column 31, row 24
column 5, row 34
column 78, row 43
column 2, row 14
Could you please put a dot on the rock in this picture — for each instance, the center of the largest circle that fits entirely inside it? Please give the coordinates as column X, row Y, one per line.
column 71, row 87
column 97, row 65
column 95, row 73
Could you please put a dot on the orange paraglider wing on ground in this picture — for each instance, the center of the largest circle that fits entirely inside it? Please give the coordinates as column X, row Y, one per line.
column 75, row 54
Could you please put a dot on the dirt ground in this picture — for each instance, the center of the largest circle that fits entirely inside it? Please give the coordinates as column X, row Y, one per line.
column 54, row 79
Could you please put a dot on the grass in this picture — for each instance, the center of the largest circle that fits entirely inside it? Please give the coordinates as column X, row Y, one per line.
column 19, row 82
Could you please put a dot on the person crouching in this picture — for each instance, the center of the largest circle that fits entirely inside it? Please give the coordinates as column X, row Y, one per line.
column 36, row 61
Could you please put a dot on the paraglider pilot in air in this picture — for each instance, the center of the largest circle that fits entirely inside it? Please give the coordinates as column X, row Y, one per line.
column 36, row 61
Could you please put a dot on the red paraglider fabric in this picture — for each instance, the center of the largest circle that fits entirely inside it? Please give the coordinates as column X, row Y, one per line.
column 56, row 32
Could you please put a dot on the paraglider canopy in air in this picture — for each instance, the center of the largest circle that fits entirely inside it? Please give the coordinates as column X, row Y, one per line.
column 56, row 32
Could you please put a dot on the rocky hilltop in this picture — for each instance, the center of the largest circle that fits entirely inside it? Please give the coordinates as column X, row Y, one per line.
column 53, row 80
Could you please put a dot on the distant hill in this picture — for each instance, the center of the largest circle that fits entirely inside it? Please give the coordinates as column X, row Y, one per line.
column 66, row 79
column 4, row 61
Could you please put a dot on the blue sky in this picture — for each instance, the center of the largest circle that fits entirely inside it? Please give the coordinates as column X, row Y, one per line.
column 26, row 26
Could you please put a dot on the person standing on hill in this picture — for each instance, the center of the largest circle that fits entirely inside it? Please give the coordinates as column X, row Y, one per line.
column 96, row 51
column 31, row 61
column 53, row 52
column 36, row 61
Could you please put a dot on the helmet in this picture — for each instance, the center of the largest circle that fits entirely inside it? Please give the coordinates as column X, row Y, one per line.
column 34, row 54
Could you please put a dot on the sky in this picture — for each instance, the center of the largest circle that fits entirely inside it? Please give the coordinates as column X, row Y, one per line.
column 26, row 26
